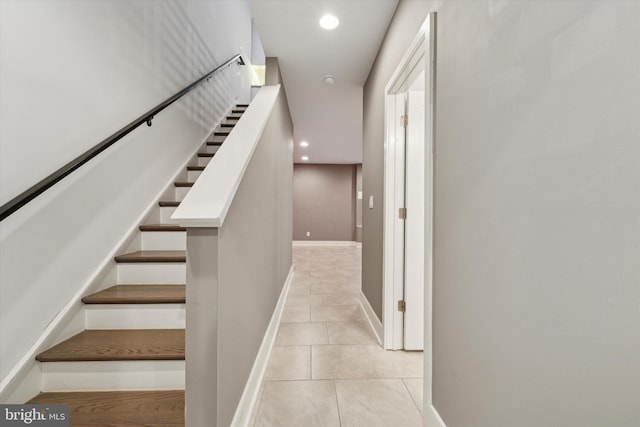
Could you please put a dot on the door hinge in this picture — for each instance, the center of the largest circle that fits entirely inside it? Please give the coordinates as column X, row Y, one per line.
column 404, row 120
column 402, row 213
column 402, row 306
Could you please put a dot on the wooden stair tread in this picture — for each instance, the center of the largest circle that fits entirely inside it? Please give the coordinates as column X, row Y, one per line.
column 152, row 256
column 169, row 203
column 237, row 111
column 242, row 105
column 215, row 143
column 227, row 125
column 118, row 344
column 221, row 133
column 205, row 154
column 196, row 168
column 138, row 294
column 160, row 408
column 162, row 227
column 183, row 184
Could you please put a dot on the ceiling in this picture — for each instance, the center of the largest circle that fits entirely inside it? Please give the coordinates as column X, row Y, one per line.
column 328, row 117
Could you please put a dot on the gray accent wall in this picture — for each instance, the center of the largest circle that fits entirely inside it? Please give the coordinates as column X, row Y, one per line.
column 407, row 20
column 324, row 202
column 537, row 198
column 254, row 258
column 284, row 167
column 235, row 275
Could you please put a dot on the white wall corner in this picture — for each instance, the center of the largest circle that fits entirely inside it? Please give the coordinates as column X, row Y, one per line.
column 374, row 322
column 248, row 403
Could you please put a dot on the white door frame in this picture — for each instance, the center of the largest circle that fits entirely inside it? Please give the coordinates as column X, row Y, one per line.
column 416, row 166
column 421, row 53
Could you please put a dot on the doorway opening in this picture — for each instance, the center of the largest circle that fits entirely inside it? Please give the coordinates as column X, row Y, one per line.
column 408, row 201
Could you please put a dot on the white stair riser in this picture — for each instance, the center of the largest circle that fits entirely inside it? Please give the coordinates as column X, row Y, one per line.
column 212, row 148
column 204, row 161
column 135, row 316
column 192, row 176
column 152, row 272
column 165, row 214
column 181, row 192
column 117, row 375
column 164, row 240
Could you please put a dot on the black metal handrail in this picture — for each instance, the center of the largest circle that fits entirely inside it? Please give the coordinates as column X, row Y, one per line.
column 48, row 182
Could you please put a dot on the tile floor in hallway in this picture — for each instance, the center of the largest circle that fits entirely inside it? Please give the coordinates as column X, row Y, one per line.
column 327, row 368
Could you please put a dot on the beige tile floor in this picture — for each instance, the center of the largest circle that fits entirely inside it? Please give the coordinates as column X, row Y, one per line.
column 327, row 368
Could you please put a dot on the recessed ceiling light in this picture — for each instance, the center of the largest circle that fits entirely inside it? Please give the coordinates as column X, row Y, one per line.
column 304, row 144
column 329, row 79
column 305, row 158
column 329, row 22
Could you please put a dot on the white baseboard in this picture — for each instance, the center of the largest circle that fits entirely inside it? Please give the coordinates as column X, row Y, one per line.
column 374, row 322
column 324, row 243
column 431, row 417
column 28, row 386
column 249, row 399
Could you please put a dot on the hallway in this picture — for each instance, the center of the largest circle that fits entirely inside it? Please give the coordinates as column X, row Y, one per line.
column 327, row 368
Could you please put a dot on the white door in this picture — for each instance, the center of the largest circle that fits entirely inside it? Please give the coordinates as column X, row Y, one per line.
column 414, row 242
column 406, row 128
column 394, row 318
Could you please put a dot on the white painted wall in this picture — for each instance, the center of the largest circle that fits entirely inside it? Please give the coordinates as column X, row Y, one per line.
column 72, row 73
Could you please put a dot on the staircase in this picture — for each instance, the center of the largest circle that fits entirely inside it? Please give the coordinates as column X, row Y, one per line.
column 127, row 367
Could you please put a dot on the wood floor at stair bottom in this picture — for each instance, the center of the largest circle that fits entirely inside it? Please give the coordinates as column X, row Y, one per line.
column 138, row 294
column 118, row 344
column 120, row 408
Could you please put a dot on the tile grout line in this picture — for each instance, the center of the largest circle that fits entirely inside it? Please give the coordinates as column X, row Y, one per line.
column 310, row 365
column 335, row 389
column 411, row 394
column 326, row 329
column 342, row 379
